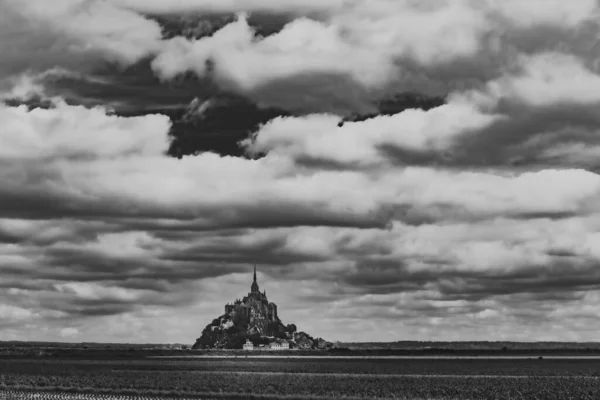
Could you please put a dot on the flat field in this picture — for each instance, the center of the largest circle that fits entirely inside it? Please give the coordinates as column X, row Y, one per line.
column 418, row 378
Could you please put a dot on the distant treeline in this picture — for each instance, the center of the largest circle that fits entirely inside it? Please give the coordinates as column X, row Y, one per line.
column 90, row 345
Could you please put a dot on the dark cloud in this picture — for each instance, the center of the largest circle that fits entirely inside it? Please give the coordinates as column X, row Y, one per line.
column 217, row 124
column 542, row 282
column 191, row 26
column 197, row 26
column 45, row 206
column 511, row 140
column 528, row 138
column 128, row 91
column 31, row 102
column 338, row 94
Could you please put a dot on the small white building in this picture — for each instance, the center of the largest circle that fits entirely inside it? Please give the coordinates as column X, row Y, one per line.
column 248, row 345
column 280, row 346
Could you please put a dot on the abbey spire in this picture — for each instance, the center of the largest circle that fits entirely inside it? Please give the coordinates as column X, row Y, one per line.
column 254, row 287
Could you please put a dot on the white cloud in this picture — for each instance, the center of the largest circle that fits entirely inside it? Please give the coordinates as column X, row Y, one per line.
column 12, row 313
column 68, row 333
column 129, row 244
column 547, row 79
column 307, row 54
column 381, row 45
column 77, row 27
column 93, row 291
column 431, row 33
column 245, row 63
column 319, row 137
column 71, row 132
column 37, row 35
column 119, row 168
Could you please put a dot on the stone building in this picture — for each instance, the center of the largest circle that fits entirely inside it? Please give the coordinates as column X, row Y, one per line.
column 254, row 310
column 280, row 346
column 253, row 317
column 248, row 345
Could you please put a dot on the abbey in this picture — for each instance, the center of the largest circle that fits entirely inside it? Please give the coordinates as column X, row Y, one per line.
column 254, row 310
column 252, row 322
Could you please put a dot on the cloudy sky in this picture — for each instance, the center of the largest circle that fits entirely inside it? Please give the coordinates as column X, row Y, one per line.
column 397, row 169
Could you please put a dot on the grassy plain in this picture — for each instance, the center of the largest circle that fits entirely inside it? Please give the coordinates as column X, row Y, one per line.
column 418, row 378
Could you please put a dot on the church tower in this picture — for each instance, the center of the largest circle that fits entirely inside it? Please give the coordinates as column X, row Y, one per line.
column 254, row 287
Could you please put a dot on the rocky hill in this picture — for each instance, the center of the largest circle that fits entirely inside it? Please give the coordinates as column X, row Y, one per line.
column 254, row 318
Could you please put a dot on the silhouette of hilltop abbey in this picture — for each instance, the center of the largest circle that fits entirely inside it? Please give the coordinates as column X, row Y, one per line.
column 253, row 321
column 252, row 317
column 253, row 310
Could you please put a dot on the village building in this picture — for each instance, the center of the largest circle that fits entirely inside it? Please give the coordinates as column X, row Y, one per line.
column 248, row 345
column 280, row 346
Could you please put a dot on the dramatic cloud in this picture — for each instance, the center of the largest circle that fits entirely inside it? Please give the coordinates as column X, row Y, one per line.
column 364, row 48
column 71, row 33
column 403, row 169
column 548, row 79
column 320, row 137
column 76, row 132
column 305, row 54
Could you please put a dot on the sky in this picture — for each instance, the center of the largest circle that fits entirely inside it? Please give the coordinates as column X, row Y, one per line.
column 396, row 169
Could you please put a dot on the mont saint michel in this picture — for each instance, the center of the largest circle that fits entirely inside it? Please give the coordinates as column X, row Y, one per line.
column 253, row 322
